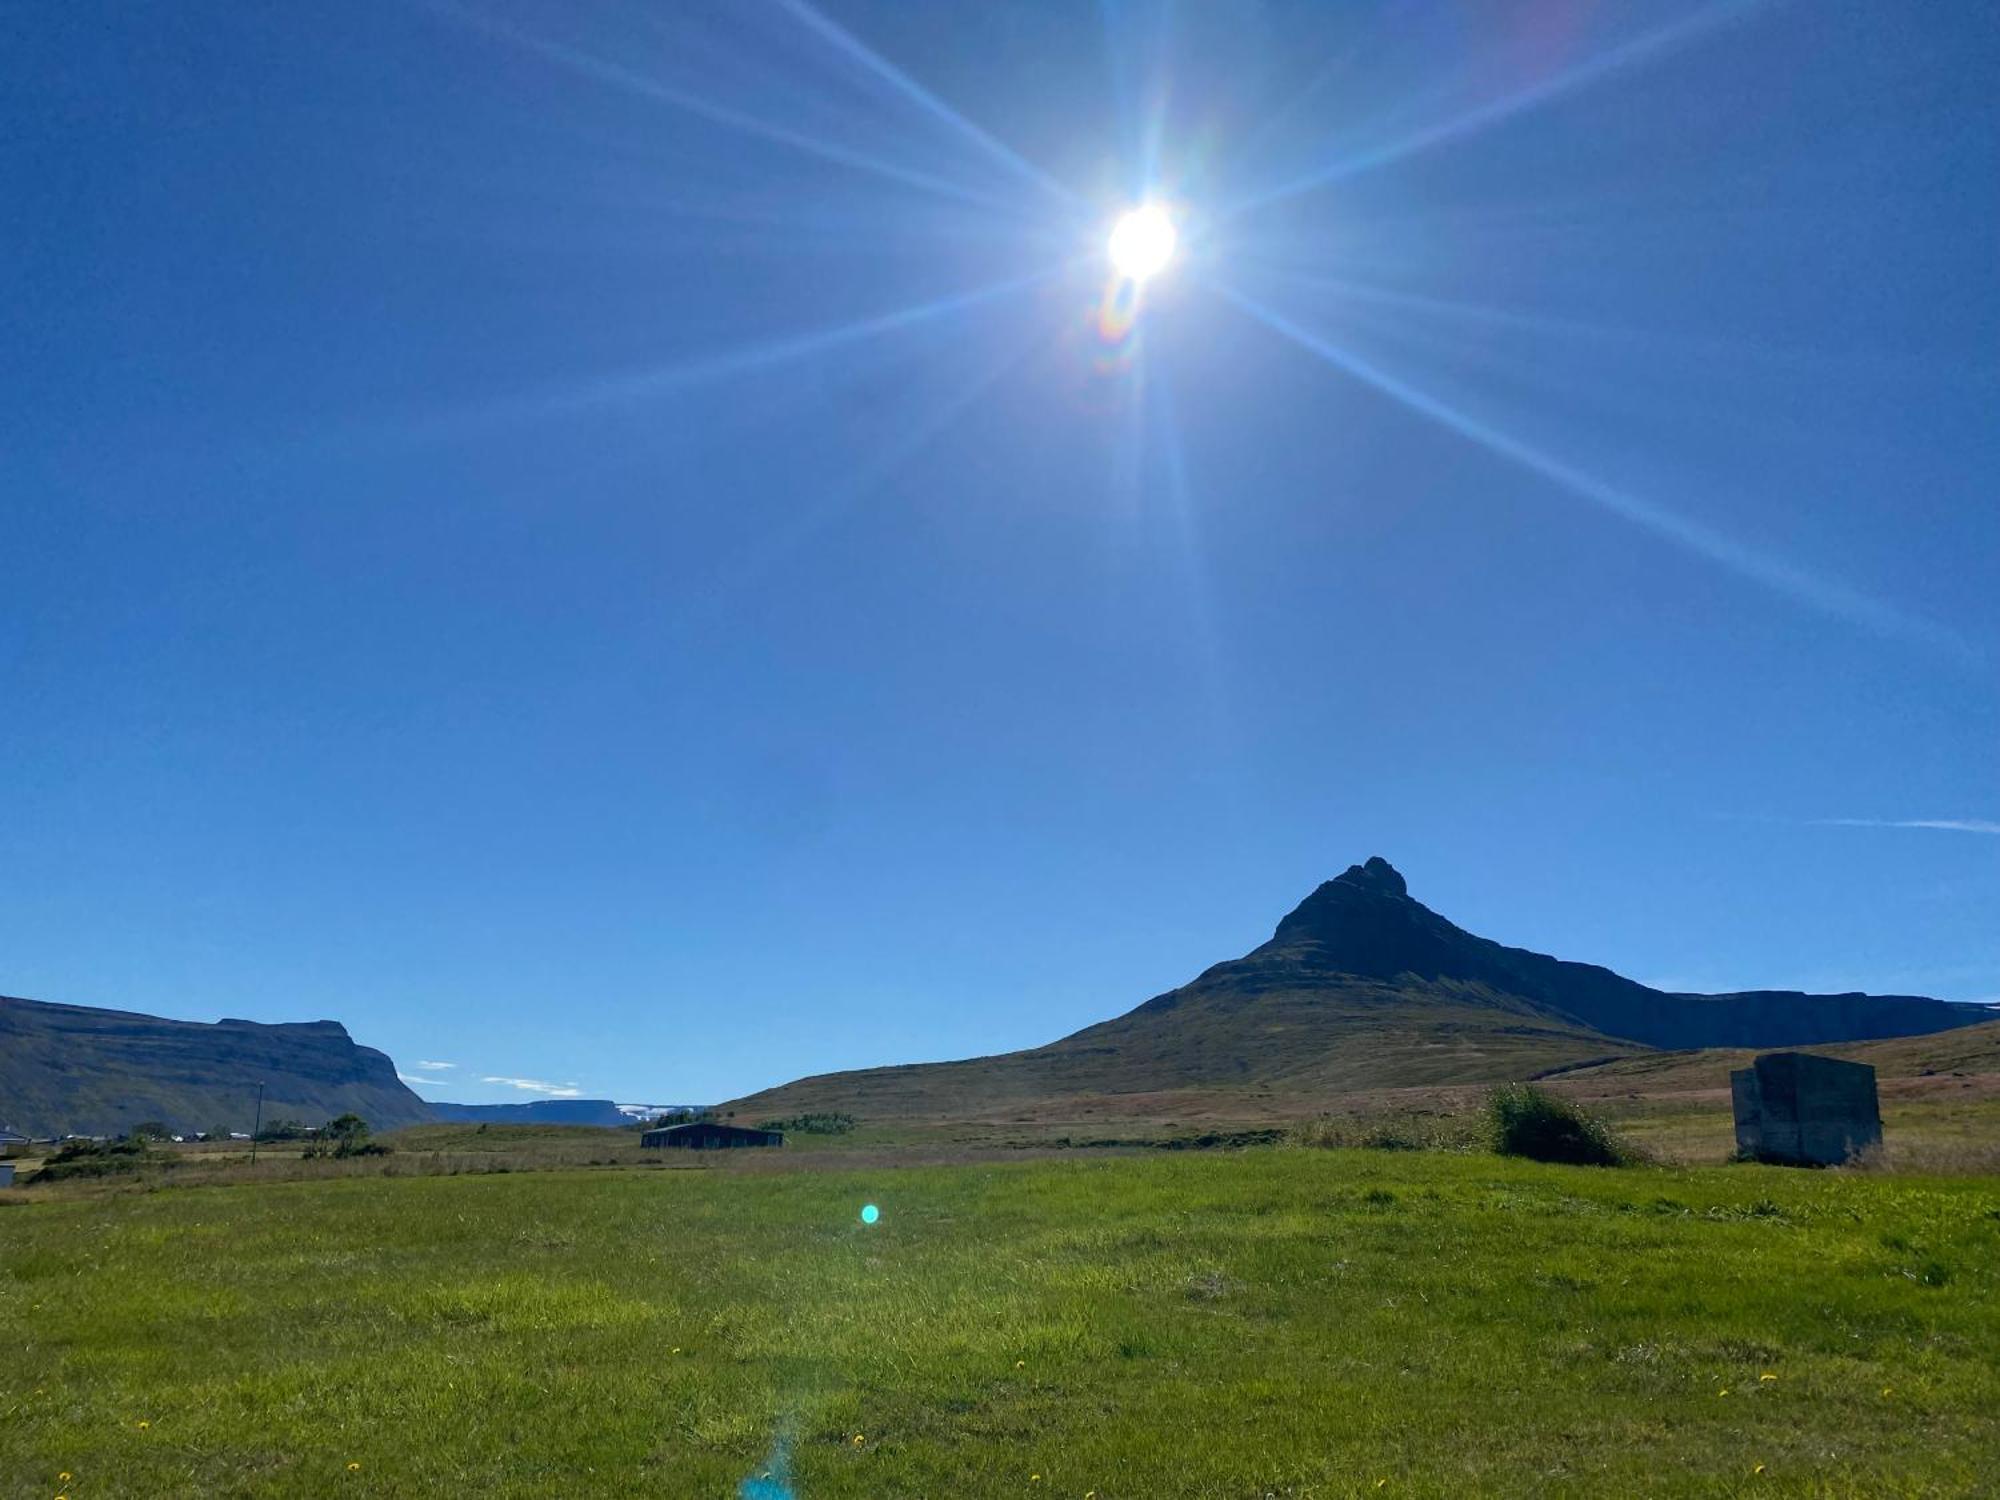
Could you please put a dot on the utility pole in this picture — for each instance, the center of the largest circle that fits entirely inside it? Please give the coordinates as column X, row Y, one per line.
column 258, row 1128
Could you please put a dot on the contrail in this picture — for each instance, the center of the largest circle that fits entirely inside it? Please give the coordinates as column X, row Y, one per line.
column 1786, row 578
column 1949, row 825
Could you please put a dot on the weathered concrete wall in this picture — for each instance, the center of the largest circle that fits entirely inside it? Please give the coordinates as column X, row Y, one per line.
column 1795, row 1107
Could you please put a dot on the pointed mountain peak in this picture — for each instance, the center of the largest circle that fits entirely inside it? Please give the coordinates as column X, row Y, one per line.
column 1378, row 875
column 1365, row 921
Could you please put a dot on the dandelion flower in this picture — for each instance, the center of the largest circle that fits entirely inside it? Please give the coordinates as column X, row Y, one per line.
column 1888, row 1390
column 1020, row 1364
column 1034, row 1479
column 144, row 1425
column 1758, row 1470
column 1723, row 1392
column 1767, row 1375
column 354, row 1468
column 859, row 1439
column 63, row 1478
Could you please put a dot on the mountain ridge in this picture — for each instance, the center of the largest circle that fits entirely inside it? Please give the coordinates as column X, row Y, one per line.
column 1362, row 986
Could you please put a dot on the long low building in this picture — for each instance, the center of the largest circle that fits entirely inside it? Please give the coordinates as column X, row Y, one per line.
column 710, row 1135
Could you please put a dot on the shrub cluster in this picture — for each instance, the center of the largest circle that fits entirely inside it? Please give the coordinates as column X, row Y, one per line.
column 347, row 1136
column 98, row 1159
column 1531, row 1122
column 833, row 1123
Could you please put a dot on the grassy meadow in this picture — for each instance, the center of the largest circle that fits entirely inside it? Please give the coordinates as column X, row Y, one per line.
column 1277, row 1322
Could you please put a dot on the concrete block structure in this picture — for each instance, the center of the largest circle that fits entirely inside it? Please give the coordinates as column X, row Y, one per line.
column 1804, row 1110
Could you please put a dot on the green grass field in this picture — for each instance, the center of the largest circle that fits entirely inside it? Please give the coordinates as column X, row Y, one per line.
column 1274, row 1322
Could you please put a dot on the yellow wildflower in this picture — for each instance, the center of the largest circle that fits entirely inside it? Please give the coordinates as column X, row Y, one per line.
column 1767, row 1375
column 1758, row 1470
column 354, row 1468
column 859, row 1439
column 1723, row 1392
column 1020, row 1364
column 63, row 1478
column 144, row 1425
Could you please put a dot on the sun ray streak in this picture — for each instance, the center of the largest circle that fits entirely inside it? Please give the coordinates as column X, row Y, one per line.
column 606, row 71
column 1212, row 667
column 781, row 542
column 1639, row 49
column 725, row 364
column 1451, row 312
column 1827, row 595
column 757, row 357
column 1158, row 100
column 858, row 51
column 1115, row 50
column 1444, row 307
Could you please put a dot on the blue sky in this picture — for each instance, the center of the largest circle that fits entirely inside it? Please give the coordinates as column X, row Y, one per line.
column 608, row 546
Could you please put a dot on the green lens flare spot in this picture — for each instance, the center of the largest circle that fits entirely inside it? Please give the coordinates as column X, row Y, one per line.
column 870, row 1213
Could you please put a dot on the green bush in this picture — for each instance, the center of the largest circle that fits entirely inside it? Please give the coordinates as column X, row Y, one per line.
column 1531, row 1122
column 98, row 1159
column 346, row 1136
column 811, row 1124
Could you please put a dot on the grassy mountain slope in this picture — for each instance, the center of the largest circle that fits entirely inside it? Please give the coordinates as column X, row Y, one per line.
column 72, row 1068
column 1973, row 1051
column 1360, row 987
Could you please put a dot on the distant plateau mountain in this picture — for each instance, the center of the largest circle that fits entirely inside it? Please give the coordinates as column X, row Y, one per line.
column 75, row 1069
column 557, row 1112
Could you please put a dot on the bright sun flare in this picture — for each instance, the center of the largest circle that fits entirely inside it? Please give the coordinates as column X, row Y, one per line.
column 1142, row 242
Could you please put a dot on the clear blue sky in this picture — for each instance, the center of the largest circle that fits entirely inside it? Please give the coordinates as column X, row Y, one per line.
column 605, row 545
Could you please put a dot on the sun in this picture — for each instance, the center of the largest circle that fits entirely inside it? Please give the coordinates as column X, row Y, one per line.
column 1142, row 242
